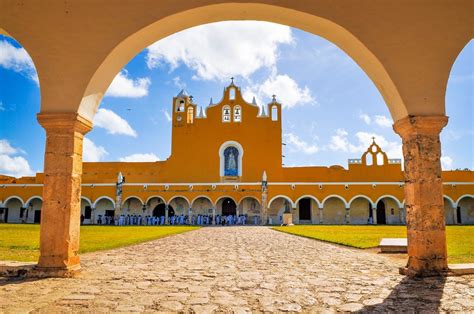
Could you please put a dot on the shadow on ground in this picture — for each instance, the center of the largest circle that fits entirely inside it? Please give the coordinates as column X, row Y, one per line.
column 412, row 295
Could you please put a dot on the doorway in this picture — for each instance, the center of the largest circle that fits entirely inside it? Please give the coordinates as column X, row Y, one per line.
column 229, row 207
column 381, row 218
column 305, row 208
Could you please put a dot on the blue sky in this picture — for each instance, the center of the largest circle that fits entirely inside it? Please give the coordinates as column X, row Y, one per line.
column 331, row 108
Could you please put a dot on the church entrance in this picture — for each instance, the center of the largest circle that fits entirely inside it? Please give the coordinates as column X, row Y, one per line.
column 381, row 219
column 229, row 207
column 305, row 209
column 159, row 210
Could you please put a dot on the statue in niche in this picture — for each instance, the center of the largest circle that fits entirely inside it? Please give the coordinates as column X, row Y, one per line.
column 230, row 161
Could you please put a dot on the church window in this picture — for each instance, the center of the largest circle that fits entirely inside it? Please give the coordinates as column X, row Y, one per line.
column 380, row 159
column 231, row 161
column 226, row 114
column 232, row 93
column 274, row 113
column 180, row 105
column 237, row 114
column 190, row 114
column 369, row 160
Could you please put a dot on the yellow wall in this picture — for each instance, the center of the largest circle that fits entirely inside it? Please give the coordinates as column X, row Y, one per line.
column 193, row 171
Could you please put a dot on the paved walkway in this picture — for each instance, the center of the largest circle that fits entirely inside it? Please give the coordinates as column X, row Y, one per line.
column 237, row 269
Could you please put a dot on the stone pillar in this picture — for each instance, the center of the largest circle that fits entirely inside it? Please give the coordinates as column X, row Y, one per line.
column 60, row 215
column 348, row 216
column 166, row 214
column 213, row 215
column 426, row 235
column 321, row 220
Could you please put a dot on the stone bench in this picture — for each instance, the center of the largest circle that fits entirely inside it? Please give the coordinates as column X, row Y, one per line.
column 393, row 245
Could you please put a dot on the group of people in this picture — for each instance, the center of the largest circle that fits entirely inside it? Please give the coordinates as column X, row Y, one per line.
column 199, row 220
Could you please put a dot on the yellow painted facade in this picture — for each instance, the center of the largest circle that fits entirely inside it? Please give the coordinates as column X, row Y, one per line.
column 193, row 182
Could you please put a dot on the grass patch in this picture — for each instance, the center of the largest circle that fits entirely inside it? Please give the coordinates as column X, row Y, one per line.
column 460, row 239
column 21, row 242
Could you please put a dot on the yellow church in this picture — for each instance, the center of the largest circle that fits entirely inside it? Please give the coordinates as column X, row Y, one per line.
column 240, row 174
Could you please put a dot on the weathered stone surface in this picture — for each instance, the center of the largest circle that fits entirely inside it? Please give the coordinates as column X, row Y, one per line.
column 424, row 193
column 280, row 264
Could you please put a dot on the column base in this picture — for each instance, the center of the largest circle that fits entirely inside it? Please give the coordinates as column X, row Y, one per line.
column 425, row 273
column 56, row 272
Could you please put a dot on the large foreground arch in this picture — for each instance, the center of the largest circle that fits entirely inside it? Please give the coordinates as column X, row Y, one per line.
column 406, row 49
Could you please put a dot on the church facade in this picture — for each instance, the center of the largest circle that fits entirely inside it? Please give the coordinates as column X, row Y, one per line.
column 240, row 173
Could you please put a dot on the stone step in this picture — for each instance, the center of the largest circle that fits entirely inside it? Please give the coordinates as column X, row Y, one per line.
column 393, row 245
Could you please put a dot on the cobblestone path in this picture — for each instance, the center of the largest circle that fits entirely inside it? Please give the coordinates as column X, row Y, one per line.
column 237, row 269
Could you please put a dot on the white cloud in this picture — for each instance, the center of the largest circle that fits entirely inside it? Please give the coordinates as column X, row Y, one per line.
column 380, row 120
column 113, row 123
column 6, row 148
column 167, row 115
column 366, row 118
column 288, row 93
column 92, row 152
column 2, row 107
column 446, row 163
column 340, row 142
column 16, row 166
column 123, row 86
column 179, row 83
column 218, row 51
column 17, row 59
column 295, row 144
column 140, row 158
column 383, row 121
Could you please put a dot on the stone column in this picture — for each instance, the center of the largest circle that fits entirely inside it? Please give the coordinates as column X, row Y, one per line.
column 426, row 235
column 321, row 215
column 166, row 214
column 213, row 215
column 60, row 215
column 348, row 216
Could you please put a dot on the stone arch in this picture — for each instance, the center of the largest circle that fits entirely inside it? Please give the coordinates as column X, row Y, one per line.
column 334, row 209
column 131, row 197
column 133, row 205
column 32, row 198
column 393, row 209
column 87, row 200
column 277, row 206
column 452, row 203
column 13, row 197
column 335, row 196
column 360, row 196
column 311, row 197
column 400, row 204
column 178, row 207
column 460, row 198
column 361, row 209
column 449, row 210
column 150, row 198
column 140, row 38
column 15, row 211
column 281, row 196
column 203, row 208
column 102, row 198
column 249, row 205
column 103, row 207
column 86, row 210
column 465, row 209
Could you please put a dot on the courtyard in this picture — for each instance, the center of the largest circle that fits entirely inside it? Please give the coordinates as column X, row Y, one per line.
column 239, row 269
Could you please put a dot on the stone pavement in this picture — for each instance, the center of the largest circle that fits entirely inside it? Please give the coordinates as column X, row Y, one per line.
column 237, row 269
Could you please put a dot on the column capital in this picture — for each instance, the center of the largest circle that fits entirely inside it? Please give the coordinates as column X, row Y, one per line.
column 420, row 125
column 64, row 121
